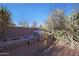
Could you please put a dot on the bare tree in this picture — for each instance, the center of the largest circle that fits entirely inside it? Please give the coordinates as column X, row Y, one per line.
column 24, row 24
column 34, row 25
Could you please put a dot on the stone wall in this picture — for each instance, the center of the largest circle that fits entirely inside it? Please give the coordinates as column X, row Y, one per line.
column 21, row 50
column 13, row 32
column 25, row 49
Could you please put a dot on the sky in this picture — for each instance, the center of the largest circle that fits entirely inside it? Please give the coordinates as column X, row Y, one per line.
column 31, row 12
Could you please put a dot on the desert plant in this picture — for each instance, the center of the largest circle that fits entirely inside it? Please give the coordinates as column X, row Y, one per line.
column 5, row 17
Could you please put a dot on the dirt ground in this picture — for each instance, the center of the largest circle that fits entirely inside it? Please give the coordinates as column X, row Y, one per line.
column 59, row 49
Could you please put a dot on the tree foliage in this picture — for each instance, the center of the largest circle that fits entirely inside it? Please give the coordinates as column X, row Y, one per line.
column 5, row 21
column 56, row 20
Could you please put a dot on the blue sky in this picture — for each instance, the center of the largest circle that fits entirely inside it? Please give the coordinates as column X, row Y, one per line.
column 34, row 11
